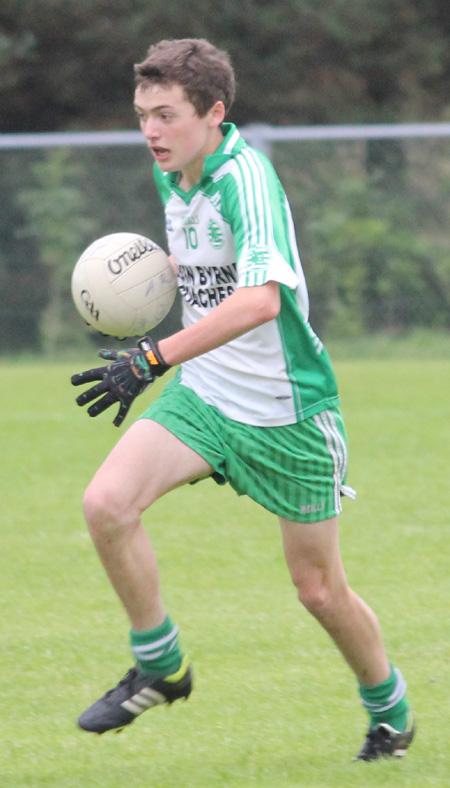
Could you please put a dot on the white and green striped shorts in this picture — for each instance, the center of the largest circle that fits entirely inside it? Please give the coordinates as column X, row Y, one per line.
column 296, row 471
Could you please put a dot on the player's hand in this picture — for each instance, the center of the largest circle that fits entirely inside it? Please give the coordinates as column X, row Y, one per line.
column 130, row 374
column 173, row 264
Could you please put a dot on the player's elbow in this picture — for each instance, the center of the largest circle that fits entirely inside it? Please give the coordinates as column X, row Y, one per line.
column 268, row 311
column 268, row 302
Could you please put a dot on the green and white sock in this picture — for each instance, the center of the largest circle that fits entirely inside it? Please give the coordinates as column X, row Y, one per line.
column 157, row 651
column 386, row 702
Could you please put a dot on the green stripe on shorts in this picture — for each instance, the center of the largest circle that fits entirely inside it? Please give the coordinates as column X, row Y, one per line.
column 296, row 471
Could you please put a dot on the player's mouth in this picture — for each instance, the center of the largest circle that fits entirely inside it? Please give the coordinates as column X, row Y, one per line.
column 160, row 154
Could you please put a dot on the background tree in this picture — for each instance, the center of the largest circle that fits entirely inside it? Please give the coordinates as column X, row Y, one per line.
column 68, row 63
column 58, row 222
column 372, row 218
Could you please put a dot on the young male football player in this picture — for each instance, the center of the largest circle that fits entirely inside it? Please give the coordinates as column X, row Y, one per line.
column 254, row 401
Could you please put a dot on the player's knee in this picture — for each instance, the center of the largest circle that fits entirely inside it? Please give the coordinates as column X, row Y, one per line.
column 315, row 594
column 104, row 512
column 316, row 601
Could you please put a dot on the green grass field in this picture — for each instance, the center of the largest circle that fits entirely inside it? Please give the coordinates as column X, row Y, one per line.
column 274, row 703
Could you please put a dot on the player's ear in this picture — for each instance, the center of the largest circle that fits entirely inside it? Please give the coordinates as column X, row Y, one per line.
column 216, row 114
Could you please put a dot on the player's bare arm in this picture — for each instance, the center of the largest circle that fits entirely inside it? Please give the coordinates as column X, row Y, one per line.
column 246, row 309
column 132, row 371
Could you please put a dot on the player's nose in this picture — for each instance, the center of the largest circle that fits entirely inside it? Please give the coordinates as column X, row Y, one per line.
column 150, row 129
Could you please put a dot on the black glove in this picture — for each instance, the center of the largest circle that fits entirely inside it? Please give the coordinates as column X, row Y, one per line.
column 130, row 373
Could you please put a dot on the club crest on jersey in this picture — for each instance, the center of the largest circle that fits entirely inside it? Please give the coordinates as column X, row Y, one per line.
column 258, row 257
column 215, row 235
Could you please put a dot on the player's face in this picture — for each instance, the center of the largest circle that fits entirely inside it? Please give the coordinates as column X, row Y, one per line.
column 178, row 138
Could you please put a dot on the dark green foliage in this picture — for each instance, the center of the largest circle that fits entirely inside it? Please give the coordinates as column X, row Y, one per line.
column 372, row 218
column 68, row 63
column 374, row 244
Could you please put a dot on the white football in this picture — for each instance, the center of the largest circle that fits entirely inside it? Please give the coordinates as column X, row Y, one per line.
column 123, row 285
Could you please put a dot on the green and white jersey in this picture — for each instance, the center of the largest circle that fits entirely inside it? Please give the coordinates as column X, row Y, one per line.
column 234, row 229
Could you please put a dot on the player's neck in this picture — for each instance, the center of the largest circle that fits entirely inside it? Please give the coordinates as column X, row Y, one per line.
column 191, row 174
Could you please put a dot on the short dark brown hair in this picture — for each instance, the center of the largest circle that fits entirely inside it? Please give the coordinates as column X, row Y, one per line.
column 203, row 71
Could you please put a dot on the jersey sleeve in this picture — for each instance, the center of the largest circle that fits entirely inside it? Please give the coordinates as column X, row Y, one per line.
column 260, row 220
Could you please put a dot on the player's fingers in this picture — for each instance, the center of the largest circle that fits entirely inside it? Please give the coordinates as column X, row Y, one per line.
column 102, row 404
column 111, row 355
column 123, row 410
column 95, row 391
column 173, row 264
column 87, row 377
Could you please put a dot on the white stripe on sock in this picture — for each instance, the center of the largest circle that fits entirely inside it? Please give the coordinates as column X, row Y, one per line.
column 142, row 652
column 395, row 697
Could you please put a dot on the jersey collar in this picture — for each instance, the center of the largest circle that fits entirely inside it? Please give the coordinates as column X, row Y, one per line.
column 229, row 147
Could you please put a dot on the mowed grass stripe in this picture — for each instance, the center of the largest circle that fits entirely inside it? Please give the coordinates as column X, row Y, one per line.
column 274, row 704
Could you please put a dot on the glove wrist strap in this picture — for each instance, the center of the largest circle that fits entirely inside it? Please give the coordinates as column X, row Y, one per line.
column 153, row 356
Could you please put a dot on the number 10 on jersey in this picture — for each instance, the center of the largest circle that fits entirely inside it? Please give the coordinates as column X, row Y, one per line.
column 190, row 237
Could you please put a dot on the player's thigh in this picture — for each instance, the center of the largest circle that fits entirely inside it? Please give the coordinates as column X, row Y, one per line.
column 147, row 462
